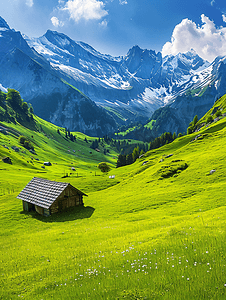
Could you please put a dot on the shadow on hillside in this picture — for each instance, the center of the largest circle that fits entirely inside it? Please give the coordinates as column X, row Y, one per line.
column 71, row 214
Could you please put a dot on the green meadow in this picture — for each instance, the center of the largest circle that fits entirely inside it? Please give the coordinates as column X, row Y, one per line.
column 155, row 231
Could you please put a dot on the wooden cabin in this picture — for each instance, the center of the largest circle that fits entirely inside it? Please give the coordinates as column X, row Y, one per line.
column 48, row 197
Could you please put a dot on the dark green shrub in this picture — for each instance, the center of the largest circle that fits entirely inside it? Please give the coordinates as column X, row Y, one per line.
column 25, row 142
column 209, row 119
column 22, row 139
column 218, row 113
column 189, row 130
column 104, row 167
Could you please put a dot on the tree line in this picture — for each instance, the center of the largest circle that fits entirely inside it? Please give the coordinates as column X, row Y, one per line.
column 130, row 158
column 162, row 140
column 138, row 151
column 14, row 108
column 68, row 134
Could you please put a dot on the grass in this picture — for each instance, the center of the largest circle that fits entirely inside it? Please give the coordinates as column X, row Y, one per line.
column 150, row 124
column 124, row 133
column 156, row 231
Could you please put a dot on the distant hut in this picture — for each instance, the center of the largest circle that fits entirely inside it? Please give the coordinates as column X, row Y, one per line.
column 49, row 197
column 7, row 160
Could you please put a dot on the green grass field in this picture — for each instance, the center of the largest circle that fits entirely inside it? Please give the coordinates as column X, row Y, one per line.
column 150, row 124
column 156, row 231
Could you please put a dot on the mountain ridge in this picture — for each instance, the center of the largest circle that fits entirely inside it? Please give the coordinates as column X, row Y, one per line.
column 133, row 86
column 30, row 73
column 142, row 79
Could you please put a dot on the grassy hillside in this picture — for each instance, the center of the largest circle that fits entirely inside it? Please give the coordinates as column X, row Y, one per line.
column 218, row 109
column 156, row 231
column 52, row 146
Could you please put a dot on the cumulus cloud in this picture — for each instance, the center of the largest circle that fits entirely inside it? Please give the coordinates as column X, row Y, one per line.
column 122, row 2
column 85, row 9
column 224, row 18
column 29, row 3
column 104, row 24
column 55, row 21
column 207, row 40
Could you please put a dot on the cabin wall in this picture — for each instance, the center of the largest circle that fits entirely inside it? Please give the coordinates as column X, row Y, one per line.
column 28, row 206
column 46, row 212
column 69, row 198
column 31, row 207
column 39, row 209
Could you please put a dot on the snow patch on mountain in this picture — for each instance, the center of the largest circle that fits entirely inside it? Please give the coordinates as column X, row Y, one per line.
column 143, row 74
column 3, row 89
column 202, row 78
column 150, row 93
column 133, row 85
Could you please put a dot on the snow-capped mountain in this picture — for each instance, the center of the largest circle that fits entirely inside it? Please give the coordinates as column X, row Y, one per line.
column 53, row 99
column 196, row 97
column 133, row 86
column 3, row 24
column 129, row 87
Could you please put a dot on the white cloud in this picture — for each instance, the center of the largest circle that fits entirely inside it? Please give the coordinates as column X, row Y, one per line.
column 104, row 24
column 85, row 9
column 55, row 21
column 123, row 2
column 224, row 18
column 207, row 40
column 212, row 2
column 29, row 3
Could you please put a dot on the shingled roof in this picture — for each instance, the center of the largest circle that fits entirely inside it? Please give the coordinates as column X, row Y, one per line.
column 43, row 192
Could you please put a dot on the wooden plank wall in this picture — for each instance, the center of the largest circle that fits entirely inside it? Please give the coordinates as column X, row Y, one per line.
column 39, row 209
column 69, row 198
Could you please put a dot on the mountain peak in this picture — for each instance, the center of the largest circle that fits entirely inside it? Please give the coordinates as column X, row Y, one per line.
column 58, row 38
column 191, row 52
column 3, row 23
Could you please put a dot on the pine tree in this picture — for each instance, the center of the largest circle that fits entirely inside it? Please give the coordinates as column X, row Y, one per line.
column 31, row 110
column 129, row 159
column 189, row 130
column 25, row 107
column 195, row 120
column 142, row 152
column 136, row 153
column 94, row 144
column 121, row 161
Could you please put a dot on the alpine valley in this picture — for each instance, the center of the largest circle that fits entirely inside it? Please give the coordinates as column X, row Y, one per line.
column 136, row 218
column 72, row 85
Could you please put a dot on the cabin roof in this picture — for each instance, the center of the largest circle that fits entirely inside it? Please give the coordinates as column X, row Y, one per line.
column 43, row 192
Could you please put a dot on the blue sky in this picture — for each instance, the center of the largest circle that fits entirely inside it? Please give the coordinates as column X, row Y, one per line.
column 114, row 26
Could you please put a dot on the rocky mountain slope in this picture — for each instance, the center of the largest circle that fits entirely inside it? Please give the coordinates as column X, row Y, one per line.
column 130, row 88
column 140, row 82
column 196, row 97
column 22, row 68
column 134, row 85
